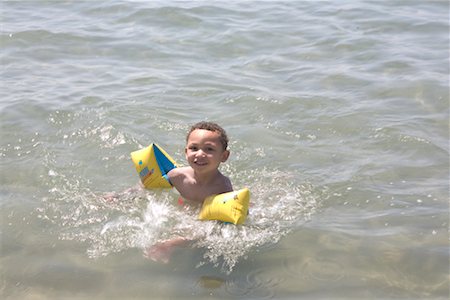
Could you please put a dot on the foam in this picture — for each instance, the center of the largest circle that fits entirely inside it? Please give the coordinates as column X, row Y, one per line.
column 142, row 219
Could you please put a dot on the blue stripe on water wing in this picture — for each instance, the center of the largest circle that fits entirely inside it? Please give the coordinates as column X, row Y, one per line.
column 164, row 164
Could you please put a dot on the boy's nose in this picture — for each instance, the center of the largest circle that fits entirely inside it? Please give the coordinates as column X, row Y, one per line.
column 200, row 153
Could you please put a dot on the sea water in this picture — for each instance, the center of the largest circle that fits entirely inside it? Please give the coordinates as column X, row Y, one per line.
column 338, row 118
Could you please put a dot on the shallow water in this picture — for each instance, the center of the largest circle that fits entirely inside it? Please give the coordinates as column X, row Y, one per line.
column 338, row 116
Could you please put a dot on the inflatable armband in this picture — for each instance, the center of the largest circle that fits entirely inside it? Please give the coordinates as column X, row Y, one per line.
column 228, row 207
column 153, row 164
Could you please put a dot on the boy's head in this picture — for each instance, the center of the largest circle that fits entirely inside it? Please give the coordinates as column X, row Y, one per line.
column 211, row 126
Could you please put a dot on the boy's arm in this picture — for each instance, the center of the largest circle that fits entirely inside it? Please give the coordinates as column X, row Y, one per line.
column 175, row 177
column 116, row 195
column 228, row 185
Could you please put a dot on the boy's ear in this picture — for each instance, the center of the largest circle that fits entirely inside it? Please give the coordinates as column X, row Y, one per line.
column 225, row 155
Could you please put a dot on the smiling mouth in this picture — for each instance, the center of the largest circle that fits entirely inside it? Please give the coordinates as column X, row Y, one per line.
column 203, row 163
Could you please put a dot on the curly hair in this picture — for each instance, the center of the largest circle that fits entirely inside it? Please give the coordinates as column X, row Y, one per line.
column 211, row 126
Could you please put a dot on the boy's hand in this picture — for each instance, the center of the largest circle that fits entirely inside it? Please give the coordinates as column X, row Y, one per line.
column 111, row 196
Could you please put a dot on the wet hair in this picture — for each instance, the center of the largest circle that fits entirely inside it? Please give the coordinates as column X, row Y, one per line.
column 211, row 126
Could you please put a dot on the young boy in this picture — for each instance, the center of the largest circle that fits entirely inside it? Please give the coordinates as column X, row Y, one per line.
column 206, row 149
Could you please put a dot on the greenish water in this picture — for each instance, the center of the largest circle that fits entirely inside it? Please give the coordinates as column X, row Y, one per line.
column 338, row 116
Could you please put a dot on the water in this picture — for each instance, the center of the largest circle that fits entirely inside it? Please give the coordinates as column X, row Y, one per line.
column 338, row 115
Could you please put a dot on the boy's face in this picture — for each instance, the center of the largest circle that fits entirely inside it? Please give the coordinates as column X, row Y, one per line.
column 204, row 151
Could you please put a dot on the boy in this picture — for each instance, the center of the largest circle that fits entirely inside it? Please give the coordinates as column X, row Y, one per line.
column 206, row 149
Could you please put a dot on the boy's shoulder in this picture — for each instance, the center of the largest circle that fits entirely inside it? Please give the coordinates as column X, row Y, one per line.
column 179, row 172
column 227, row 184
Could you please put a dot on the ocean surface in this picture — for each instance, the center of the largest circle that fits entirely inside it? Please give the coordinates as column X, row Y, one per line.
column 338, row 116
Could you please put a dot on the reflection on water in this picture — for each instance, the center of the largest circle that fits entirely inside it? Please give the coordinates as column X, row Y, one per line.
column 211, row 282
